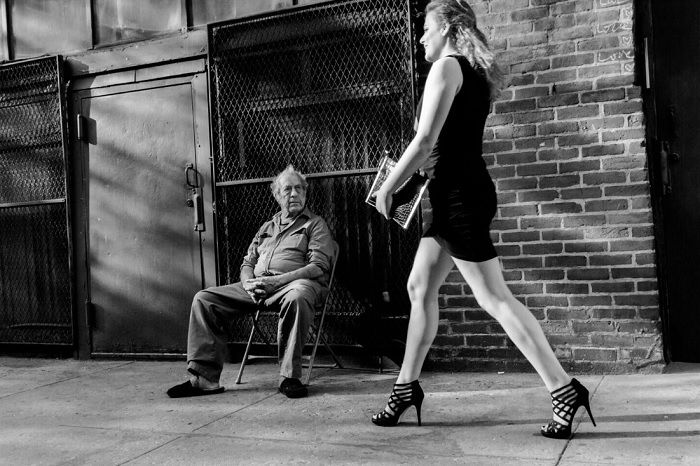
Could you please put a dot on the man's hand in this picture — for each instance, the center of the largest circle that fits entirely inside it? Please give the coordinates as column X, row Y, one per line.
column 261, row 287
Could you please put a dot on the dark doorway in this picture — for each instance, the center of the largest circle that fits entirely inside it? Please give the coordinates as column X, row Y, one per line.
column 670, row 44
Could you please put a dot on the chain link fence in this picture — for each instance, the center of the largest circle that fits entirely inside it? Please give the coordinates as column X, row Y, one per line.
column 35, row 286
column 330, row 89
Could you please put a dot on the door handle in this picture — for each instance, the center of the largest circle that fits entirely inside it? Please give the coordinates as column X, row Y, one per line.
column 666, row 158
column 190, row 168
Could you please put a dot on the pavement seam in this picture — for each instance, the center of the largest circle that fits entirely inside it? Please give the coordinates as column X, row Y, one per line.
column 180, row 435
column 66, row 380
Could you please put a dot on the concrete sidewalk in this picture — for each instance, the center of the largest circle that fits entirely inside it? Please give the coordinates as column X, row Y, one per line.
column 116, row 412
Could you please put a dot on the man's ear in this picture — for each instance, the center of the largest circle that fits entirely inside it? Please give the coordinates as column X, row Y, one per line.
column 445, row 29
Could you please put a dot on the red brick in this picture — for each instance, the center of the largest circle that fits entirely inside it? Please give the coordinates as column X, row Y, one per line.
column 573, row 60
column 539, row 195
column 516, row 158
column 578, row 139
column 522, row 263
column 530, row 66
column 605, row 42
column 603, row 178
column 542, row 248
column 572, row 33
column 520, row 236
column 546, row 301
column 623, row 134
column 533, row 117
column 558, row 154
column 554, row 76
column 574, row 221
column 558, row 100
column 544, row 274
column 637, row 300
column 603, row 149
column 612, row 287
column 540, row 222
column 614, row 313
column 565, row 261
column 634, row 272
column 575, row 86
column 600, row 354
column 562, row 234
column 534, row 38
column 517, row 183
column 606, row 205
column 602, row 95
column 534, row 143
column 598, row 70
column 581, row 193
column 497, row 146
column 632, row 245
column 515, row 106
column 557, row 128
column 579, row 166
column 578, row 112
column 561, row 208
column 559, row 181
column 537, row 169
column 618, row 259
column 622, row 108
column 588, row 246
column 590, row 300
column 588, row 274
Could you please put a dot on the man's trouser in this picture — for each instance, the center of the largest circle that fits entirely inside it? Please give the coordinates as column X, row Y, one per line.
column 213, row 307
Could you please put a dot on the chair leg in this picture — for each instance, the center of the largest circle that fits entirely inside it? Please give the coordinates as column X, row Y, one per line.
column 313, row 352
column 247, row 348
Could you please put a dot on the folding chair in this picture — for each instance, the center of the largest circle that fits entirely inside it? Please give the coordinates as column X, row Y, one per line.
column 317, row 330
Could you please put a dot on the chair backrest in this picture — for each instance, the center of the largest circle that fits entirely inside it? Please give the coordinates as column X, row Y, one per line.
column 334, row 262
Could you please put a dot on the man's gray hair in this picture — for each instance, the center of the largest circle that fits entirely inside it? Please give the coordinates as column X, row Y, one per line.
column 290, row 170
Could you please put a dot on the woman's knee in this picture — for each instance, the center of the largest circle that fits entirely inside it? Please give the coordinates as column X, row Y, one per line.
column 499, row 305
column 419, row 289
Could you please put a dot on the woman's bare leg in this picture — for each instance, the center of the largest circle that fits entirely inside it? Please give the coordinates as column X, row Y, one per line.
column 430, row 267
column 492, row 294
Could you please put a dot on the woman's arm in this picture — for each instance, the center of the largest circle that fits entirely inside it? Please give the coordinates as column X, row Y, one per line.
column 444, row 81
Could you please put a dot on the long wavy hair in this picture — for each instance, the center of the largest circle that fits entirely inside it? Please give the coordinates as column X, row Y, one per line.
column 468, row 39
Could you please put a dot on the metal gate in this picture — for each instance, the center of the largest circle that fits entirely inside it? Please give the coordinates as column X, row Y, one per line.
column 35, row 269
column 330, row 89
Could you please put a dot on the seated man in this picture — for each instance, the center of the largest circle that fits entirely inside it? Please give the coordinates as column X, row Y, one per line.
column 287, row 267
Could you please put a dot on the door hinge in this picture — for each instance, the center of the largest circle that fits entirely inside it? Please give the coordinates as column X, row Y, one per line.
column 81, row 127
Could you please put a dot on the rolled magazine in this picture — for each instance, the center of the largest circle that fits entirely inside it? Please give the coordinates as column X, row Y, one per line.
column 407, row 197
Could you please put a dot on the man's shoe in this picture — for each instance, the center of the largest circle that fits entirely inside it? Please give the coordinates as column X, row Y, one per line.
column 186, row 389
column 293, row 388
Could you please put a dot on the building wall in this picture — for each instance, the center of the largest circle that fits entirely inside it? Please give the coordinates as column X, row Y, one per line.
column 564, row 145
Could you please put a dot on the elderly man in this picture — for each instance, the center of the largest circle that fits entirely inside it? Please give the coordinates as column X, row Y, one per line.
column 287, row 267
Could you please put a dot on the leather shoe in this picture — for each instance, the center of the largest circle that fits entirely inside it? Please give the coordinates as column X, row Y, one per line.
column 293, row 388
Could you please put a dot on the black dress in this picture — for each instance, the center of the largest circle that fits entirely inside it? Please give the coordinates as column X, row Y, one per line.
column 462, row 194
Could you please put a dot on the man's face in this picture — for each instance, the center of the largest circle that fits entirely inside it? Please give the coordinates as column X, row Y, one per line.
column 291, row 195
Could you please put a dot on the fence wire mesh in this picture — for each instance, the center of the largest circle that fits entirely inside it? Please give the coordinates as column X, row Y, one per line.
column 329, row 89
column 35, row 301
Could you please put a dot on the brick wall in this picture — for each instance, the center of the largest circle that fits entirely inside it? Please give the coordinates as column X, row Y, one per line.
column 564, row 144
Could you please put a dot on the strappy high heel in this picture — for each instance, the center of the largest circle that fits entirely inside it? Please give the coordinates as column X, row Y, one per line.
column 565, row 402
column 403, row 396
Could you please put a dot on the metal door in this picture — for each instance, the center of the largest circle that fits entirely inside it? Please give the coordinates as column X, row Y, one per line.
column 145, row 161
column 674, row 51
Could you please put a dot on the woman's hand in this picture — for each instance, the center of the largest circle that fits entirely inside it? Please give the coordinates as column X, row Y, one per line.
column 383, row 203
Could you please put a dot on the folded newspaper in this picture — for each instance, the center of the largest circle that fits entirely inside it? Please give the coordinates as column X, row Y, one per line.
column 406, row 199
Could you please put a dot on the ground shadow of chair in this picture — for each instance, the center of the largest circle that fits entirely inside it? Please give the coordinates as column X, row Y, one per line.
column 316, row 328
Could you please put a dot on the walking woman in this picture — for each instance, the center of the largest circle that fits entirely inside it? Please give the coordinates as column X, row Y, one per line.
column 447, row 147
